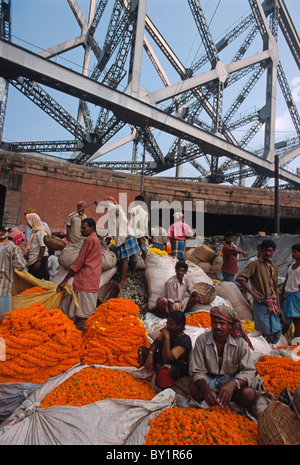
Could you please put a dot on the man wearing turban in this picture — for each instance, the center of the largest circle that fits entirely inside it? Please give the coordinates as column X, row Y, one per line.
column 222, row 366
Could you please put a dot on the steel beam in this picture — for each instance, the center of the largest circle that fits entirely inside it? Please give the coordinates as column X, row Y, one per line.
column 16, row 61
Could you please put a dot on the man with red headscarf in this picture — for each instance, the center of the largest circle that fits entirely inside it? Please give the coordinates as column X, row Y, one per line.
column 222, row 366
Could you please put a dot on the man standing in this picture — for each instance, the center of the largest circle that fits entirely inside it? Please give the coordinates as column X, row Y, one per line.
column 121, row 232
column 10, row 257
column 263, row 275
column 290, row 293
column 230, row 253
column 74, row 221
column 138, row 222
column 86, row 271
column 178, row 232
column 35, row 248
column 222, row 366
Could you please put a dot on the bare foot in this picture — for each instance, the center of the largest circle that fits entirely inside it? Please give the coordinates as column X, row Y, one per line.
column 123, row 283
column 132, row 275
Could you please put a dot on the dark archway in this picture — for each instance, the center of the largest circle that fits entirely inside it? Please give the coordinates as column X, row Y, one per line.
column 2, row 201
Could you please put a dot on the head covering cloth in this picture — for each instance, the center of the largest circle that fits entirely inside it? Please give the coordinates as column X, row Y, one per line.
column 17, row 236
column 230, row 316
column 36, row 225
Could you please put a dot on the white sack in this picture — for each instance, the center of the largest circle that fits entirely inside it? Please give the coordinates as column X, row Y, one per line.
column 109, row 259
column 69, row 254
column 159, row 268
column 196, row 274
column 12, row 395
column 107, row 422
column 230, row 291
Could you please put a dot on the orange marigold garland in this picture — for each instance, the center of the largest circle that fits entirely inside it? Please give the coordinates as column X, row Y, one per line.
column 33, row 290
column 39, row 343
column 113, row 334
column 94, row 384
column 278, row 373
column 199, row 319
column 199, row 426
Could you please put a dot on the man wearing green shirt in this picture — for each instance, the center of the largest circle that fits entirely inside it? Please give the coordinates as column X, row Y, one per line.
column 263, row 276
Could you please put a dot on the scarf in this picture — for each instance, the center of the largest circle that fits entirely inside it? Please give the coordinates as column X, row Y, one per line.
column 36, row 225
column 17, row 236
column 230, row 316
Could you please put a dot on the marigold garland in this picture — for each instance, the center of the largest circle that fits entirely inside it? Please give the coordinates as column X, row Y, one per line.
column 200, row 426
column 39, row 343
column 278, row 373
column 33, row 290
column 203, row 319
column 155, row 251
column 199, row 319
column 248, row 326
column 94, row 384
column 113, row 334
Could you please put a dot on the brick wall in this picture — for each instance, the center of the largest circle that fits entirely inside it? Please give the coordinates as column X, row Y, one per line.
column 53, row 186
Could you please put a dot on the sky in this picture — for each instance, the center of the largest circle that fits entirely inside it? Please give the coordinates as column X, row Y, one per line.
column 39, row 24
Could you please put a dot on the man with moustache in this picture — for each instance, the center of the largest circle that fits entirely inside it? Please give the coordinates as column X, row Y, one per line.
column 263, row 276
column 222, row 366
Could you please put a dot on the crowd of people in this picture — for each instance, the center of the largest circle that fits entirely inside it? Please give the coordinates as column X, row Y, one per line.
column 220, row 363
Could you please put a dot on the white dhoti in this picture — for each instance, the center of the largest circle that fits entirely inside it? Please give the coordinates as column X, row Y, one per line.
column 87, row 305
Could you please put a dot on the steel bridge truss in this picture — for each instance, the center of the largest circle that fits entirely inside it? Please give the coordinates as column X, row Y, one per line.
column 202, row 141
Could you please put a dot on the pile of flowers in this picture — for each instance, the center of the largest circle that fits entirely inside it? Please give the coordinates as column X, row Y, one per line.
column 199, row 319
column 113, row 334
column 200, row 426
column 154, row 250
column 33, row 290
column 94, row 384
column 278, row 373
column 248, row 326
column 39, row 343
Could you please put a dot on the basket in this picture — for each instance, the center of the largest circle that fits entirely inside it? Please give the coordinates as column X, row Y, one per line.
column 206, row 291
column 204, row 253
column 54, row 243
column 278, row 425
column 108, row 291
column 188, row 254
column 216, row 266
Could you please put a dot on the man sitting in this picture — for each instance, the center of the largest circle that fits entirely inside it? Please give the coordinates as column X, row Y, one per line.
column 222, row 366
column 176, row 289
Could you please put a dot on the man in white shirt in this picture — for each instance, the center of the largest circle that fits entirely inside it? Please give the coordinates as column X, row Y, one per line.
column 176, row 290
column 138, row 222
column 73, row 223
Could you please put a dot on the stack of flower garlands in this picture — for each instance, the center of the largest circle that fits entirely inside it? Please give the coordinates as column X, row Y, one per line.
column 39, row 343
column 94, row 384
column 201, row 426
column 279, row 373
column 113, row 334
